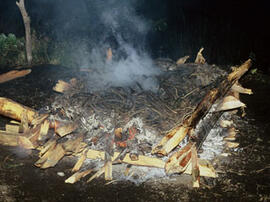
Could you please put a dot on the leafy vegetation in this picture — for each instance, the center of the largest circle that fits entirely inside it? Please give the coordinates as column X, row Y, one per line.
column 11, row 50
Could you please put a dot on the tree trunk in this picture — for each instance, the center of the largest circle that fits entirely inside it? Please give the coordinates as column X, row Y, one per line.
column 26, row 21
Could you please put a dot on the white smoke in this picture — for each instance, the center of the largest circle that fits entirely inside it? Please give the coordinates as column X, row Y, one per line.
column 130, row 63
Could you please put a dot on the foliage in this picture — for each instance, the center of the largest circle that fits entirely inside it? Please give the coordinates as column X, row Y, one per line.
column 11, row 50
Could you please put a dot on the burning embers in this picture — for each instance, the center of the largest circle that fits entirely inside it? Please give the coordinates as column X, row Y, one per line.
column 128, row 125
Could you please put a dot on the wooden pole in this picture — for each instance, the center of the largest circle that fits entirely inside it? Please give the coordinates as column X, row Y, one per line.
column 26, row 21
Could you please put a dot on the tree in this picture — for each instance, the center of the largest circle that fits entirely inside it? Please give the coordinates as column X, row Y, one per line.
column 26, row 21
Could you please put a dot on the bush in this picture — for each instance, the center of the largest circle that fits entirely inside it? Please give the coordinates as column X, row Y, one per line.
column 11, row 50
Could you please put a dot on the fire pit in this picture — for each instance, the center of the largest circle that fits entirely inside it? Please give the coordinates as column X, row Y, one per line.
column 156, row 124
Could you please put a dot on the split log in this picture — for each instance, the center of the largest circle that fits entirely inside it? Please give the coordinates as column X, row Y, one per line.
column 65, row 128
column 142, row 160
column 51, row 157
column 195, row 167
column 200, row 59
column 109, row 151
column 230, row 102
column 14, row 110
column 238, row 88
column 97, row 174
column 182, row 60
column 178, row 162
column 61, row 86
column 169, row 142
column 206, row 169
column 13, row 75
column 50, row 144
column 77, row 176
column 12, row 128
column 26, row 21
column 15, row 140
column 80, row 162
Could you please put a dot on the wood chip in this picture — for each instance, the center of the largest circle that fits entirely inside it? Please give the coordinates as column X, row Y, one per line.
column 61, row 86
column 232, row 144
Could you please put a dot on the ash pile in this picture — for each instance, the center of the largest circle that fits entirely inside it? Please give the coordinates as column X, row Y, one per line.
column 142, row 116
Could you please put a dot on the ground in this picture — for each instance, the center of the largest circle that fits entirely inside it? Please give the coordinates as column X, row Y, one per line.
column 243, row 176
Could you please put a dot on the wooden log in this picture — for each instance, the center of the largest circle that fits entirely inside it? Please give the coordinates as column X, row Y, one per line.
column 142, row 160
column 13, row 75
column 14, row 110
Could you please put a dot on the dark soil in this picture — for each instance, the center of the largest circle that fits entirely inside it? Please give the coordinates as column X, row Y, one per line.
column 243, row 176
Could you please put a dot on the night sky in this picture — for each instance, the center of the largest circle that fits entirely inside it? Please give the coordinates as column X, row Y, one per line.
column 230, row 31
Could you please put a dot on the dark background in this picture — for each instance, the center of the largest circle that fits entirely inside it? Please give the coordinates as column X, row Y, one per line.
column 230, row 31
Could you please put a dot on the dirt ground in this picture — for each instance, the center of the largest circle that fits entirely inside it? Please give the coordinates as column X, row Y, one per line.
column 243, row 176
